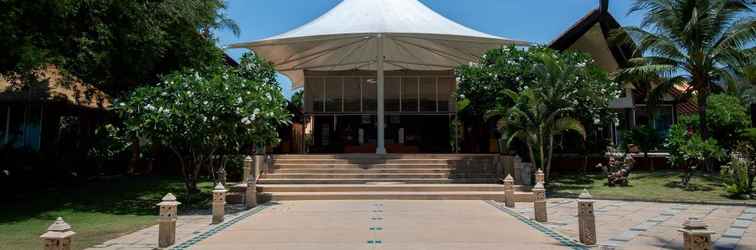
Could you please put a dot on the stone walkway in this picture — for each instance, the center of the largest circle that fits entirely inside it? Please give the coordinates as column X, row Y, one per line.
column 187, row 227
column 647, row 225
column 447, row 225
column 380, row 225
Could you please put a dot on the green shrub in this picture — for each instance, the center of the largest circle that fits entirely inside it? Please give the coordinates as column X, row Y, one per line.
column 726, row 117
column 735, row 175
column 688, row 149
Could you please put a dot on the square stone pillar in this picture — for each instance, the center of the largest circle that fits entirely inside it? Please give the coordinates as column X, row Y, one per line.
column 247, row 169
column 696, row 235
column 539, row 203
column 259, row 165
column 167, row 220
column 586, row 219
column 509, row 191
column 58, row 236
column 219, row 203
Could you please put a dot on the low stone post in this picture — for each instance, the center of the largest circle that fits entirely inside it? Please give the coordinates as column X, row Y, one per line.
column 509, row 191
column 250, row 197
column 586, row 219
column 696, row 235
column 58, row 236
column 539, row 203
column 540, row 177
column 219, row 203
column 167, row 220
column 247, row 169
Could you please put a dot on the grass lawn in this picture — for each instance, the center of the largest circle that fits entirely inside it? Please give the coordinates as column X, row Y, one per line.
column 98, row 211
column 659, row 185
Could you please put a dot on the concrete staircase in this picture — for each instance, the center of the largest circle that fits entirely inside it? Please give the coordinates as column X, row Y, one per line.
column 379, row 177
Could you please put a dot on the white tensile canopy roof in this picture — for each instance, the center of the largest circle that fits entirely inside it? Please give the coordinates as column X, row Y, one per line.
column 408, row 34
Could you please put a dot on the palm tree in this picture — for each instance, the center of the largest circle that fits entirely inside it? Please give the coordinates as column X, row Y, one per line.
column 532, row 121
column 691, row 42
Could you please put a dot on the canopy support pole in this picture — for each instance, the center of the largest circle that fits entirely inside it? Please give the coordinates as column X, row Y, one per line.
column 381, row 147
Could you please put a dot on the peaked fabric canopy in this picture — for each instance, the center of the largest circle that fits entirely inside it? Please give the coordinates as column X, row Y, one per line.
column 408, row 34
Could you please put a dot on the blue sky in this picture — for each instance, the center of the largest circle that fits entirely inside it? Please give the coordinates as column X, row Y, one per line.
column 537, row 21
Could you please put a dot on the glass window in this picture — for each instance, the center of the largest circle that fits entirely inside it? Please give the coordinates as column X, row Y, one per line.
column 369, row 103
column 445, row 91
column 409, row 94
column 392, row 93
column 352, row 94
column 333, row 94
column 428, row 94
column 314, row 94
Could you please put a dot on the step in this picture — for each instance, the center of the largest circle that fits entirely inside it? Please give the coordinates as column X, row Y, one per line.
column 358, row 166
column 384, row 156
column 276, row 196
column 377, row 180
column 361, row 161
column 380, row 188
column 370, row 175
column 366, row 170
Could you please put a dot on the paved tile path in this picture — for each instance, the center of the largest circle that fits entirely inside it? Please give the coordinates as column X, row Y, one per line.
column 447, row 225
column 380, row 225
column 647, row 225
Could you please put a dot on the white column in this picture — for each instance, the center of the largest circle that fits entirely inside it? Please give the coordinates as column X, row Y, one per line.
column 381, row 148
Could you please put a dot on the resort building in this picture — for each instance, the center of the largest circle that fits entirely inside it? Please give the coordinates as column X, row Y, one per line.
column 375, row 78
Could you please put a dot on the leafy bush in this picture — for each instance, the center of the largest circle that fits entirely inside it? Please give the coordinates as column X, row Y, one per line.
column 726, row 118
column 198, row 114
column 736, row 174
column 688, row 149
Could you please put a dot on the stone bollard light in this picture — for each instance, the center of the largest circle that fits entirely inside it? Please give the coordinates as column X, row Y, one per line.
column 586, row 219
column 219, row 203
column 696, row 235
column 539, row 203
column 167, row 220
column 247, row 169
column 540, row 177
column 58, row 236
column 509, row 191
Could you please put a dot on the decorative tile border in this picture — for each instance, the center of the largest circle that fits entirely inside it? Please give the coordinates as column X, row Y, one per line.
column 737, row 229
column 564, row 240
column 630, row 234
column 220, row 227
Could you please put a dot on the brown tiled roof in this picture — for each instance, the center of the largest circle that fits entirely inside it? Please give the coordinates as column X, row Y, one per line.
column 53, row 86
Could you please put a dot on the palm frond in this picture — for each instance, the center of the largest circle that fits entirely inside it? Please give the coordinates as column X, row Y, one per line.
column 569, row 124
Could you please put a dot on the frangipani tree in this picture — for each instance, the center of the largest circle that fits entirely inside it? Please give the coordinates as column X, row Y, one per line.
column 200, row 113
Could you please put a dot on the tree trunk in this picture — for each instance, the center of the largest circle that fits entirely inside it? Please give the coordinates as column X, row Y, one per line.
column 547, row 170
column 190, row 180
column 134, row 161
column 703, row 96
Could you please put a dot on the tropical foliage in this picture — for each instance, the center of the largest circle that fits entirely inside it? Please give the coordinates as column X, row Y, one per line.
column 644, row 137
column 552, row 93
column 198, row 114
column 113, row 45
column 688, row 149
column 691, row 43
